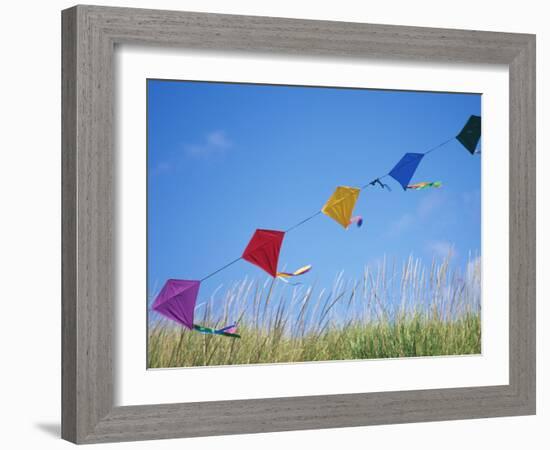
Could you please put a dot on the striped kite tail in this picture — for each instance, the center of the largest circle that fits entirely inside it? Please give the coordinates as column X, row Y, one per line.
column 425, row 185
column 229, row 331
column 284, row 275
column 300, row 271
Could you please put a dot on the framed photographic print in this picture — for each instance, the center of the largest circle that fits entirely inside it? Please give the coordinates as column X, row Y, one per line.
column 256, row 209
column 220, row 179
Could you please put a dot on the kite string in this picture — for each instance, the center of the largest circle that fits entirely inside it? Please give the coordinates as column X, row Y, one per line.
column 440, row 145
column 220, row 269
column 307, row 219
column 371, row 183
column 302, row 222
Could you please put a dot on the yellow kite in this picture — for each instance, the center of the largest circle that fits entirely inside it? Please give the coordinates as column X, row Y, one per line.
column 341, row 203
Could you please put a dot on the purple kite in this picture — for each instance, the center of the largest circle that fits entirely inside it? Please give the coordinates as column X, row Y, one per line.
column 176, row 301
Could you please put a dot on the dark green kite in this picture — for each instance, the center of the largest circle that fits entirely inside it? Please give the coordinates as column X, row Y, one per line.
column 470, row 134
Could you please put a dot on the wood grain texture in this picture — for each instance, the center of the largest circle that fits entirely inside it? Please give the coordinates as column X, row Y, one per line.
column 89, row 37
column 68, row 226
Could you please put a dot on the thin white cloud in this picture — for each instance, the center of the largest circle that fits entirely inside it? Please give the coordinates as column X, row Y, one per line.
column 218, row 139
column 213, row 144
column 160, row 168
column 442, row 249
column 470, row 198
column 429, row 204
column 401, row 224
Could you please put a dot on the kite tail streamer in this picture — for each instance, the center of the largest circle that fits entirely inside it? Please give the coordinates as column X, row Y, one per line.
column 425, row 185
column 356, row 219
column 379, row 183
column 300, row 271
column 232, row 329
column 229, row 331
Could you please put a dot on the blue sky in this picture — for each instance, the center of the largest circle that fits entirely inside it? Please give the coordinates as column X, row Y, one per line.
column 225, row 159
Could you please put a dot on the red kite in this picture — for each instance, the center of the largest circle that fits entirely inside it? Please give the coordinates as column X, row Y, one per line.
column 263, row 250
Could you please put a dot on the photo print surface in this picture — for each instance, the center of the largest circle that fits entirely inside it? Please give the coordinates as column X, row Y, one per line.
column 289, row 224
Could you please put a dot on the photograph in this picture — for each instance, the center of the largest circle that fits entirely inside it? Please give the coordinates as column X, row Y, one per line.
column 292, row 224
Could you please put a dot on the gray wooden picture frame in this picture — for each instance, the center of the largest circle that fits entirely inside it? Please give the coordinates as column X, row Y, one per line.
column 90, row 34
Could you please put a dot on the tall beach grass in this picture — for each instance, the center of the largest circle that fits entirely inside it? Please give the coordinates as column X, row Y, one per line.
column 392, row 310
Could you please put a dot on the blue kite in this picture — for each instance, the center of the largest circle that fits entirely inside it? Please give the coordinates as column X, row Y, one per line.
column 405, row 168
